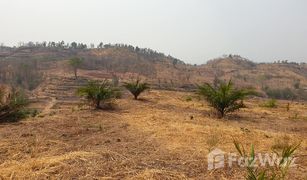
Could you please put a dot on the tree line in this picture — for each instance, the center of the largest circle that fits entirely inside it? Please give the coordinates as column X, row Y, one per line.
column 84, row 46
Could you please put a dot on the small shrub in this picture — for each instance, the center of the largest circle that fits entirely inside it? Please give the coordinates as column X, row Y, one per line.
column 34, row 112
column 136, row 88
column 24, row 113
column 272, row 103
column 224, row 97
column 75, row 63
column 98, row 93
column 188, row 98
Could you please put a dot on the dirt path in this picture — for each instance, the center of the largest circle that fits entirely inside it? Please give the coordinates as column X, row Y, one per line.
column 49, row 106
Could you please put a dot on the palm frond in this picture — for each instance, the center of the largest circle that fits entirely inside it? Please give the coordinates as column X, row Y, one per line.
column 224, row 97
column 136, row 88
column 98, row 92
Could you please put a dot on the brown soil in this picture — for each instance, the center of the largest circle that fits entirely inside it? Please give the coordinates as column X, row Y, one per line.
column 162, row 136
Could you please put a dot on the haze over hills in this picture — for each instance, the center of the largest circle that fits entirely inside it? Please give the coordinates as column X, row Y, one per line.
column 126, row 62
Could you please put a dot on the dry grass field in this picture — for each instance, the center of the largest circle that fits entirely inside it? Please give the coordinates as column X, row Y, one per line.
column 165, row 135
column 234, row 97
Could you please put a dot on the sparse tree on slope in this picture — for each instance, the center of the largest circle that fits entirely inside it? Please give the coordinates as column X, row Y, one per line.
column 98, row 93
column 75, row 63
column 136, row 88
column 224, row 97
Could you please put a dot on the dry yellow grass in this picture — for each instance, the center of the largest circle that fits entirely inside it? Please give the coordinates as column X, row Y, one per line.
column 41, row 166
column 162, row 136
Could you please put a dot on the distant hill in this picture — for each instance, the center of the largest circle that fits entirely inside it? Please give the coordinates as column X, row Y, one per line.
column 162, row 71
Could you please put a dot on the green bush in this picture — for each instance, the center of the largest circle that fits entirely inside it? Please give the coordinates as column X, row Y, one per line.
column 224, row 97
column 272, row 103
column 31, row 112
column 98, row 93
column 188, row 98
column 136, row 88
column 75, row 63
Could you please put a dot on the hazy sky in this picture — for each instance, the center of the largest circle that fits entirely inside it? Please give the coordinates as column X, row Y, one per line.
column 191, row 30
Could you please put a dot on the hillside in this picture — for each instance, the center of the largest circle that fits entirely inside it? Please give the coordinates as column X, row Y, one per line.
column 161, row 71
column 164, row 135
column 259, row 75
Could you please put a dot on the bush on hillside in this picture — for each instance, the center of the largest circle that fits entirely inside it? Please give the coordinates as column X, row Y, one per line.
column 224, row 97
column 75, row 63
column 136, row 88
column 98, row 94
column 272, row 103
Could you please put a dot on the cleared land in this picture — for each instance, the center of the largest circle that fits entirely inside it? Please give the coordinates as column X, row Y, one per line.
column 162, row 136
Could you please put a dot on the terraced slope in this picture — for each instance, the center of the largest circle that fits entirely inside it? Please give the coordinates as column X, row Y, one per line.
column 57, row 94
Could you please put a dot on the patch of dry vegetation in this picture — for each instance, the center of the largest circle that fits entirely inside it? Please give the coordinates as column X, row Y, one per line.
column 154, row 138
